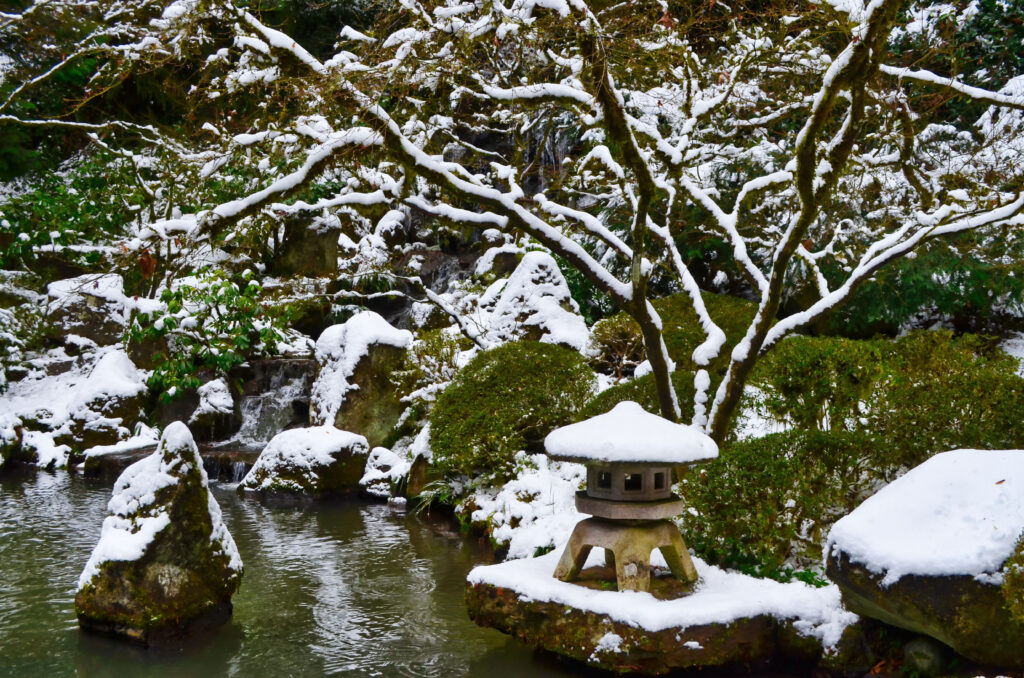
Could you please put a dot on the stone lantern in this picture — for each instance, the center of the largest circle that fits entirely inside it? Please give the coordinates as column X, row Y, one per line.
column 629, row 454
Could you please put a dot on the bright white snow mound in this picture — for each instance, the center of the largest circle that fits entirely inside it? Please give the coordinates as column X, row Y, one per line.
column 629, row 434
column 959, row 513
column 309, row 460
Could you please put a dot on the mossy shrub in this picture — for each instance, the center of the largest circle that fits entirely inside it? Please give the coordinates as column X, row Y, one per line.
column 765, row 505
column 613, row 340
column 505, row 400
column 1013, row 583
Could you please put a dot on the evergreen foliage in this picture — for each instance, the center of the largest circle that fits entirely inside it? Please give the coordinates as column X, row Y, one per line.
column 506, row 400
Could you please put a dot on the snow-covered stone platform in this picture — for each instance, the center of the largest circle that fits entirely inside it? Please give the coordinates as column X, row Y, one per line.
column 729, row 618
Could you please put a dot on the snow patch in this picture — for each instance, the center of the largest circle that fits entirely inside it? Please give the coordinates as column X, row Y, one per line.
column 959, row 513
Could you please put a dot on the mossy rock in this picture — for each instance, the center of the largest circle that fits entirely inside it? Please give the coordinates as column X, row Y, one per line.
column 506, row 400
column 165, row 562
column 374, row 408
column 11, row 450
column 967, row 614
column 304, row 464
column 578, row 634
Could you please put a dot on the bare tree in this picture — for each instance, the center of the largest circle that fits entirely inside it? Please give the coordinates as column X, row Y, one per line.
column 798, row 139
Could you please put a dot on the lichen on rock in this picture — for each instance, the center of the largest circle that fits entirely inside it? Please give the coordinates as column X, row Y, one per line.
column 165, row 562
column 314, row 462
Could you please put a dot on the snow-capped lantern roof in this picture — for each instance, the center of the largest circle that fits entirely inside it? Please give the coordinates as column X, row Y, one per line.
column 628, row 434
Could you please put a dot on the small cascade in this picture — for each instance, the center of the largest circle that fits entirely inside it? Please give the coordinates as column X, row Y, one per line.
column 238, row 471
column 266, row 414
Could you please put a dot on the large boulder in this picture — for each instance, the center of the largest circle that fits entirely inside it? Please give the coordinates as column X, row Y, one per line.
column 353, row 390
column 165, row 563
column 308, row 463
column 936, row 550
column 536, row 305
column 93, row 306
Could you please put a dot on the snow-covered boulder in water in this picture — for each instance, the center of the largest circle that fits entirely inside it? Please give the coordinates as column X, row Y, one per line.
column 315, row 463
column 536, row 305
column 165, row 562
column 939, row 551
column 353, row 389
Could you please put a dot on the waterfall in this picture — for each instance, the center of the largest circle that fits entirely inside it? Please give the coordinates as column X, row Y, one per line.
column 282, row 402
column 238, row 471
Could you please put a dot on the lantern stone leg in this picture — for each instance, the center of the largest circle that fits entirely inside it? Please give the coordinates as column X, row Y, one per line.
column 630, row 547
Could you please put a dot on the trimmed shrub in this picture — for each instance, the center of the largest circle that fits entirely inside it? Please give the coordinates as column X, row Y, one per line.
column 505, row 400
column 766, row 505
column 923, row 393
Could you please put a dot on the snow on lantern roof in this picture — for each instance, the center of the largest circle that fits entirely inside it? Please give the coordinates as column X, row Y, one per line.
column 629, row 434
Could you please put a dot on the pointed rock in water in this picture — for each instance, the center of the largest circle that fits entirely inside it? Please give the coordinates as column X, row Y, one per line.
column 165, row 563
column 308, row 463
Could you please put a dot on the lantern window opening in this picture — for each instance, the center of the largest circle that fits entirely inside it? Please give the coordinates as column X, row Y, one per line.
column 604, row 480
column 633, row 482
column 659, row 480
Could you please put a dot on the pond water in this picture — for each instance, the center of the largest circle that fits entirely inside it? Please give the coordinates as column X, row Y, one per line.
column 345, row 589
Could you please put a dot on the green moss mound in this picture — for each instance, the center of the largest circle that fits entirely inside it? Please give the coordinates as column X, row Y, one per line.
column 505, row 400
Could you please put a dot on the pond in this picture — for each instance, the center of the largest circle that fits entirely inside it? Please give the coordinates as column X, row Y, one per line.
column 348, row 589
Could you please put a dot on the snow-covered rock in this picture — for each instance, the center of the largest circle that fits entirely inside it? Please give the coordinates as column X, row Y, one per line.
column 929, row 553
column 729, row 617
column 314, row 462
column 217, row 416
column 99, row 401
column 165, row 560
column 93, row 306
column 536, row 304
column 353, row 389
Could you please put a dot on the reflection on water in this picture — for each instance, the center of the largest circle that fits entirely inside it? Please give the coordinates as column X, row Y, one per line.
column 345, row 589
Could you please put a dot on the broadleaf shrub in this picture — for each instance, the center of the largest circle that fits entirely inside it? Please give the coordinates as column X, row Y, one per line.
column 505, row 400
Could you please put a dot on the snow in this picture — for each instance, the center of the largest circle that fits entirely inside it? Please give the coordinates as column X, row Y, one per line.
column 629, row 434
column 720, row 597
column 383, row 468
column 338, row 352
column 136, row 515
column 959, row 513
column 214, row 398
column 54, row 402
column 300, row 451
column 1014, row 347
column 536, row 295
column 536, row 509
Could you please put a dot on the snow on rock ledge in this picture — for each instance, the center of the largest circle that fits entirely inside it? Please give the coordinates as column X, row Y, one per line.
column 960, row 512
column 929, row 553
column 165, row 560
column 311, row 462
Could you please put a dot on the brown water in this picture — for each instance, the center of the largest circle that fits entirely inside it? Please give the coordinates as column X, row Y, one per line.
column 346, row 589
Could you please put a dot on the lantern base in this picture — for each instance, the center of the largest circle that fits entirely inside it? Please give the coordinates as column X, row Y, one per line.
column 628, row 547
